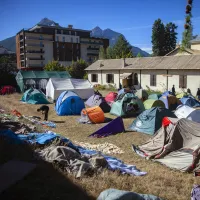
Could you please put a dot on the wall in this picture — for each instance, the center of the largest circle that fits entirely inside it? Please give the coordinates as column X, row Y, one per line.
column 84, row 51
column 68, row 38
column 195, row 46
column 48, row 52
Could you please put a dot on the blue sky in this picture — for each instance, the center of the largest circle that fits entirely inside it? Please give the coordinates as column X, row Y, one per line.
column 133, row 18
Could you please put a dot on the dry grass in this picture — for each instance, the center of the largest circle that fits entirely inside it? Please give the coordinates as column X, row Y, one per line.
column 160, row 180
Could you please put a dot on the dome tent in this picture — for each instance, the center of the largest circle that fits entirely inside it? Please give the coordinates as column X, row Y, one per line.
column 154, row 96
column 191, row 102
column 110, row 97
column 69, row 103
column 170, row 101
column 34, row 96
column 127, row 105
column 150, row 103
column 150, row 120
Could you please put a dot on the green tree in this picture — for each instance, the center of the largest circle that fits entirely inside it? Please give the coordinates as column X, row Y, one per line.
column 77, row 69
column 102, row 53
column 122, row 49
column 110, row 53
column 170, row 37
column 158, row 38
column 54, row 66
column 139, row 55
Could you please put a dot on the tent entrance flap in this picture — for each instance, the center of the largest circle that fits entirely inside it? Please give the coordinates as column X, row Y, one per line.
column 125, row 75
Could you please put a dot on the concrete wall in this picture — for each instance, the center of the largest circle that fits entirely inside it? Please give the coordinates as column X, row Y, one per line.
column 68, row 38
column 48, row 52
column 84, row 51
column 195, row 46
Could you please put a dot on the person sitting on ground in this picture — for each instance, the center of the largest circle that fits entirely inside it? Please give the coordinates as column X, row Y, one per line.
column 198, row 94
column 173, row 90
column 45, row 110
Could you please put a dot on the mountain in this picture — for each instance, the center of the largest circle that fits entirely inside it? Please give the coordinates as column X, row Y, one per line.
column 113, row 37
column 10, row 44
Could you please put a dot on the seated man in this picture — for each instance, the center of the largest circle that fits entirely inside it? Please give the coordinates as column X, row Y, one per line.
column 45, row 110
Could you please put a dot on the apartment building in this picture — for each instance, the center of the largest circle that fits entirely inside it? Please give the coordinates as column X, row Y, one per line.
column 39, row 45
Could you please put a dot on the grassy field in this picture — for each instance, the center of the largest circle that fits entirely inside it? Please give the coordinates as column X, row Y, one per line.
column 47, row 182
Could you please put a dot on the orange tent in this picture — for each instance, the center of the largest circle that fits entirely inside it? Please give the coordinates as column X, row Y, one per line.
column 95, row 114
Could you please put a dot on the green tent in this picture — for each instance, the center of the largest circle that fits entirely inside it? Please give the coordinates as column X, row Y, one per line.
column 181, row 95
column 150, row 120
column 127, row 105
column 34, row 96
column 150, row 103
column 154, row 96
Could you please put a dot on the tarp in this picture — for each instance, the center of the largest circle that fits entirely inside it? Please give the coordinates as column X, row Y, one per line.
column 187, row 112
column 150, row 120
column 34, row 96
column 190, row 102
column 56, row 86
column 154, row 96
column 176, row 144
column 150, row 103
column 114, row 127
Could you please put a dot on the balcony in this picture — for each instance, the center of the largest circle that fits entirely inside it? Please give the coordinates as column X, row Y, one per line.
column 38, row 38
column 34, row 45
column 34, row 65
column 34, row 52
column 93, row 49
column 92, row 54
column 36, row 58
column 90, row 42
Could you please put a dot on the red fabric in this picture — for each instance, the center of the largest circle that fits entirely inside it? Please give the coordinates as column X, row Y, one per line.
column 110, row 97
column 166, row 121
column 7, row 90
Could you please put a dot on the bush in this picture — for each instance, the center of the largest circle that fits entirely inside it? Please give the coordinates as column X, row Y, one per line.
column 109, row 87
column 54, row 66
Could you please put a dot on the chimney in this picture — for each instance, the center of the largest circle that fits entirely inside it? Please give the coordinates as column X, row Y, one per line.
column 123, row 64
column 70, row 26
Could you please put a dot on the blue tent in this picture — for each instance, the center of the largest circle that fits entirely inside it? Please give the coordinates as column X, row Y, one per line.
column 167, row 93
column 191, row 102
column 170, row 101
column 69, row 103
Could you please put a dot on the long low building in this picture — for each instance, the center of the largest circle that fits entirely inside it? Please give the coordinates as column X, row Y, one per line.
column 157, row 73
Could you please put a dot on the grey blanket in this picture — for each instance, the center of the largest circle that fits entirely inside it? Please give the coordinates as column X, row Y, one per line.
column 72, row 161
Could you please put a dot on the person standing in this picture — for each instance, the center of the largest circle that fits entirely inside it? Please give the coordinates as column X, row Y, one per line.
column 45, row 110
column 198, row 94
column 189, row 91
column 173, row 90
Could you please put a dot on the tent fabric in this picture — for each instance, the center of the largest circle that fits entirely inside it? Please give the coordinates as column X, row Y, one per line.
column 154, row 96
column 93, row 115
column 190, row 102
column 188, row 113
column 176, row 145
column 110, row 97
column 56, row 86
column 34, row 96
column 114, row 127
column 150, row 120
column 127, row 105
column 69, row 103
column 150, row 103
column 142, row 94
column 181, row 95
column 98, row 100
column 124, row 90
column 170, row 101
column 114, row 194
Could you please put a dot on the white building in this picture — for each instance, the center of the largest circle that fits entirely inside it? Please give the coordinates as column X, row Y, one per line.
column 157, row 73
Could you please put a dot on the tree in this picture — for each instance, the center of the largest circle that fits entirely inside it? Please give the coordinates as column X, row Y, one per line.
column 102, row 53
column 158, row 38
column 122, row 49
column 170, row 37
column 54, row 66
column 110, row 53
column 188, row 32
column 139, row 55
column 77, row 69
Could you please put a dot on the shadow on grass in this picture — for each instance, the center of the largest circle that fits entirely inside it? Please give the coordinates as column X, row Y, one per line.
column 59, row 122
column 44, row 182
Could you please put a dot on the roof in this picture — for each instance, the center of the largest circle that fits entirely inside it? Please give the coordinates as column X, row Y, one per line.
column 44, row 74
column 162, row 62
column 179, row 50
column 196, row 40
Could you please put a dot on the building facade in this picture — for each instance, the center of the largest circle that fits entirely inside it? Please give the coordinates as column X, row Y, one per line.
column 156, row 73
column 39, row 45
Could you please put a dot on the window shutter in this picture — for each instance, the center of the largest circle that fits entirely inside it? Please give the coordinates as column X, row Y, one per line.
column 180, row 81
column 155, row 80
column 151, row 80
column 185, row 81
column 106, row 78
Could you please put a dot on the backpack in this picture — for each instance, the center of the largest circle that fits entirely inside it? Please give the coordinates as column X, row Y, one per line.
column 195, row 193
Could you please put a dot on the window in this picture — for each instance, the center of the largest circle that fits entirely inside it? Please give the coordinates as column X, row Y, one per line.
column 94, row 78
column 57, row 45
column 69, row 32
column 41, row 37
column 41, row 44
column 110, row 78
column 57, row 38
column 63, row 38
column 75, row 34
column 63, row 46
column 71, row 40
column 77, row 40
column 182, row 81
column 135, row 79
column 152, row 80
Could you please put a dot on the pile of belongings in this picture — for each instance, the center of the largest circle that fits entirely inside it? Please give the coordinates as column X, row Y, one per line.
column 188, row 113
column 150, row 120
column 114, row 194
column 34, row 96
column 74, row 159
column 127, row 105
column 176, row 144
column 98, row 100
column 69, row 103
column 7, row 90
